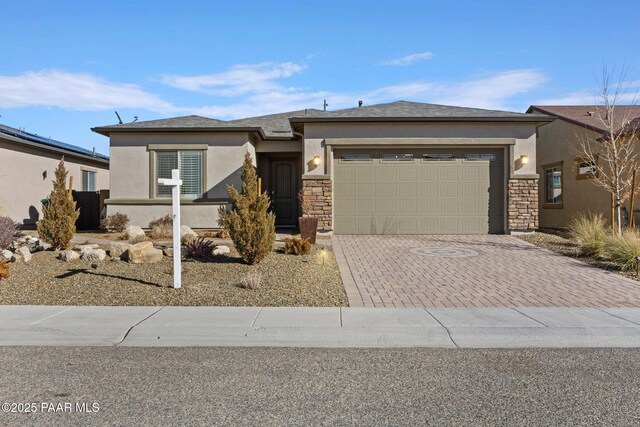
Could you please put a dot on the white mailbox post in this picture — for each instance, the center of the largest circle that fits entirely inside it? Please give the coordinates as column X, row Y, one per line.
column 175, row 182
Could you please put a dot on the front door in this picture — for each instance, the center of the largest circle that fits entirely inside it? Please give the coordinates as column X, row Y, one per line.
column 283, row 189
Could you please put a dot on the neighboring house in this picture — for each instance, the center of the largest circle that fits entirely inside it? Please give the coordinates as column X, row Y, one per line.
column 396, row 168
column 565, row 185
column 27, row 165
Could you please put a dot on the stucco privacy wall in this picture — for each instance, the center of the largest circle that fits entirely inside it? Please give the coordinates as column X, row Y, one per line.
column 558, row 142
column 22, row 185
column 132, row 174
column 521, row 200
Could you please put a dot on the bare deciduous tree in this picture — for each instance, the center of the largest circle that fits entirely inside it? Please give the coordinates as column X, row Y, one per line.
column 614, row 155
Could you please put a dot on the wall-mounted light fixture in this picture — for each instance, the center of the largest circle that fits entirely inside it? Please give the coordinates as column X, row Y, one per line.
column 524, row 159
column 316, row 160
column 44, row 175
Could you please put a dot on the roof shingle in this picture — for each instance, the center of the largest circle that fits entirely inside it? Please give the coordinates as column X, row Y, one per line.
column 590, row 115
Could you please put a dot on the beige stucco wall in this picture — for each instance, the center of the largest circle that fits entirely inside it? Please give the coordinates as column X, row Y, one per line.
column 132, row 171
column 558, row 141
column 21, row 178
column 316, row 134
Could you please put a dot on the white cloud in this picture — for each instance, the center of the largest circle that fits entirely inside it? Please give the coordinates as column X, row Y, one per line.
column 492, row 92
column 238, row 80
column 410, row 59
column 75, row 91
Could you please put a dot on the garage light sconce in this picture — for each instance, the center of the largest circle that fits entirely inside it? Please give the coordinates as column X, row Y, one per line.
column 524, row 159
column 316, row 160
column 44, row 175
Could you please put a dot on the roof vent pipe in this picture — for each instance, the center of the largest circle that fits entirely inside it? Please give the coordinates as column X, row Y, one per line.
column 324, row 107
column 94, row 151
column 360, row 103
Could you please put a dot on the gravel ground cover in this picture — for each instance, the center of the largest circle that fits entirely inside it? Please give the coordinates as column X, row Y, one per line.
column 560, row 243
column 287, row 280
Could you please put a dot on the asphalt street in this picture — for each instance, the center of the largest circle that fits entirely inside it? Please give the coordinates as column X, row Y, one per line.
column 290, row 386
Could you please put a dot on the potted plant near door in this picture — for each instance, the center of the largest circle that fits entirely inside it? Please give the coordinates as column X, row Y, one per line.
column 308, row 224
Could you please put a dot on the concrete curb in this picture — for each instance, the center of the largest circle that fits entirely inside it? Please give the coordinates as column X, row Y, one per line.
column 352, row 327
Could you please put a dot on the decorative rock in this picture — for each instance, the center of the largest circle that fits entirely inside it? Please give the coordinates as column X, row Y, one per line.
column 25, row 253
column 220, row 250
column 143, row 253
column 186, row 231
column 167, row 252
column 133, row 231
column 7, row 255
column 94, row 255
column 43, row 246
column 33, row 240
column 86, row 248
column 117, row 249
column 68, row 255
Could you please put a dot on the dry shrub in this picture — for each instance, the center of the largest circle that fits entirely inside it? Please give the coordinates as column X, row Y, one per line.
column 59, row 214
column 8, row 231
column 251, row 281
column 589, row 232
column 161, row 228
column 251, row 226
column 198, row 248
column 4, row 269
column 115, row 223
column 222, row 234
column 124, row 236
column 623, row 249
column 296, row 246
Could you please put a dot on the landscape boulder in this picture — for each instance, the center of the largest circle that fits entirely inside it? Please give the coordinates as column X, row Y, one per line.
column 24, row 253
column 221, row 250
column 94, row 255
column 7, row 255
column 143, row 253
column 43, row 246
column 86, row 248
column 117, row 249
column 186, row 231
column 68, row 255
column 133, row 231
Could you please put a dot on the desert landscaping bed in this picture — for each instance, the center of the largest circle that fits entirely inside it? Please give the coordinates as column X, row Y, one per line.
column 286, row 280
column 559, row 242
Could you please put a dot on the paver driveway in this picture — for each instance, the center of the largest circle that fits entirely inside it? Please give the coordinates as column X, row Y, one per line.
column 472, row 271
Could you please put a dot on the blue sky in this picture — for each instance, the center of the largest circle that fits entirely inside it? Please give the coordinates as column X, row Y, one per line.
column 66, row 66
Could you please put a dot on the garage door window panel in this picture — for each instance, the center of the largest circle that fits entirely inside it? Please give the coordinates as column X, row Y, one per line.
column 396, row 157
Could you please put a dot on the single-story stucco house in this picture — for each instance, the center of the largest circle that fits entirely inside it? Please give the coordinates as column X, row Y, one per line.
column 27, row 165
column 395, row 168
column 566, row 187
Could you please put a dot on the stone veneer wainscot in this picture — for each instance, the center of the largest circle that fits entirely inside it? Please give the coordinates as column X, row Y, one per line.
column 523, row 204
column 320, row 192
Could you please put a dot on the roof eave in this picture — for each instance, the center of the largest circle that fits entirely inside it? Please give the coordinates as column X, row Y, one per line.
column 106, row 130
column 61, row 150
column 420, row 119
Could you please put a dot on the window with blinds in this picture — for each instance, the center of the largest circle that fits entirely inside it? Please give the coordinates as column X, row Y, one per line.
column 190, row 165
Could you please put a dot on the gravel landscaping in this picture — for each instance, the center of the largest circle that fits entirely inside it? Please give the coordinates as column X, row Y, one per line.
column 560, row 243
column 287, row 280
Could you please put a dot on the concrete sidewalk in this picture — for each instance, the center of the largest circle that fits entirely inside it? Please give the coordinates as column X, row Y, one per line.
column 319, row 327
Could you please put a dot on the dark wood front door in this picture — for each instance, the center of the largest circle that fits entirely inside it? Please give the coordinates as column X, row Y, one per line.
column 283, row 189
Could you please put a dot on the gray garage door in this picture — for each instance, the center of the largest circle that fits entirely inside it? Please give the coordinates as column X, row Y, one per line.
column 425, row 191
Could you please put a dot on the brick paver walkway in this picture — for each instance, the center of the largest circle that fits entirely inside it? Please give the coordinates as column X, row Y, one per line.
column 381, row 271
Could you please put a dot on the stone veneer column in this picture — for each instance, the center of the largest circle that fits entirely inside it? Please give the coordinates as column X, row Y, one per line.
column 321, row 195
column 523, row 204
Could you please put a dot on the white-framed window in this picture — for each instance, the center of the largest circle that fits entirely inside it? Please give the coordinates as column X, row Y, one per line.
column 553, row 185
column 394, row 157
column 88, row 180
column 190, row 164
column 585, row 168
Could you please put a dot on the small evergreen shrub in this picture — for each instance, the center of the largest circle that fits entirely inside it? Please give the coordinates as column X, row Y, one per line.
column 199, row 248
column 296, row 246
column 59, row 214
column 162, row 227
column 589, row 232
column 250, row 224
column 115, row 223
column 4, row 269
column 8, row 231
column 623, row 249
